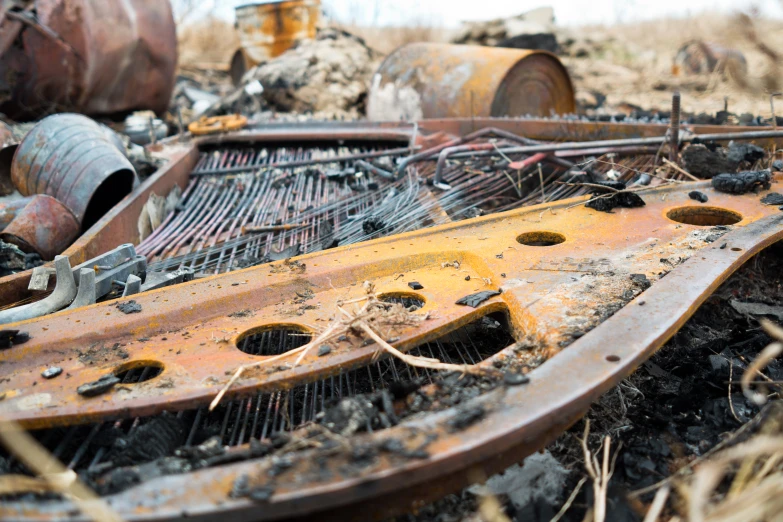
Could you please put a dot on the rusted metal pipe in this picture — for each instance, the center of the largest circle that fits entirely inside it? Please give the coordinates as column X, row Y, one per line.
column 93, row 58
column 444, row 156
column 10, row 209
column 44, row 226
column 366, row 165
column 305, row 163
column 450, row 81
column 71, row 158
column 631, row 142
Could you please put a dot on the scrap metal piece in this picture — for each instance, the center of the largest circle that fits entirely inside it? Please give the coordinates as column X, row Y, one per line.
column 44, row 226
column 63, row 294
column 39, row 280
column 117, row 264
column 452, row 81
column 90, row 57
column 132, row 286
column 71, row 158
column 85, row 294
column 217, row 124
column 157, row 280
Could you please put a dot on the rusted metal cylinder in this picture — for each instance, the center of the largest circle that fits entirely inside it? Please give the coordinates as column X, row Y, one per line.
column 698, row 57
column 458, row 81
column 44, row 226
column 94, row 57
column 268, row 29
column 9, row 210
column 71, row 158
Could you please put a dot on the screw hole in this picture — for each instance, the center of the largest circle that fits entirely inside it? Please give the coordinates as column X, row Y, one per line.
column 736, row 249
column 613, row 358
column 138, row 371
column 704, row 216
column 409, row 300
column 273, row 339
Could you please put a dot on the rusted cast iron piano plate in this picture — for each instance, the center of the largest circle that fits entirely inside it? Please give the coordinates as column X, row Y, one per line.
column 552, row 294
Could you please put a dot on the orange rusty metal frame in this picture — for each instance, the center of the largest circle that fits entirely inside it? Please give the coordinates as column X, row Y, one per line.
column 119, row 225
column 549, row 292
column 190, row 333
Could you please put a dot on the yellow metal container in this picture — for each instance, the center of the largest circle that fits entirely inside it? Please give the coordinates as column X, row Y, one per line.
column 268, row 29
column 461, row 81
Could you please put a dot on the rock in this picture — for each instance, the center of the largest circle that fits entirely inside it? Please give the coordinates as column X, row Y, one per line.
column 328, row 75
column 540, row 477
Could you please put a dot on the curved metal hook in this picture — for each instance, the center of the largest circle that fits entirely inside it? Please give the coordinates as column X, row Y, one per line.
column 64, row 292
column 85, row 295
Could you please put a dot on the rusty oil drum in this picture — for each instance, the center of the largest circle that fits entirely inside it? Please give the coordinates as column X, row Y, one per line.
column 268, row 29
column 94, row 57
column 463, row 81
column 72, row 158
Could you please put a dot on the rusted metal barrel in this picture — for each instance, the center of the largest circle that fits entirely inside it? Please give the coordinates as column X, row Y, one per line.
column 699, row 57
column 44, row 226
column 94, row 57
column 71, row 158
column 268, row 29
column 462, row 81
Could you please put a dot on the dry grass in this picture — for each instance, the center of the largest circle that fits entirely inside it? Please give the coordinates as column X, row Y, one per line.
column 387, row 39
column 207, row 43
column 633, row 63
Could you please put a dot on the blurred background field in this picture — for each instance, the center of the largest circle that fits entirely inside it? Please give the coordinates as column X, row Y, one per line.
column 616, row 67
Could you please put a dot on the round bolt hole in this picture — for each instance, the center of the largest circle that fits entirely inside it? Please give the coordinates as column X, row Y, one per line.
column 541, row 239
column 704, row 216
column 613, row 358
column 273, row 339
column 138, row 371
column 408, row 300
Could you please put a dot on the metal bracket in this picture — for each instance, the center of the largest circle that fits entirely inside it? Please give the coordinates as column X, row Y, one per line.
column 162, row 279
column 63, row 294
column 132, row 285
column 116, row 264
column 86, row 292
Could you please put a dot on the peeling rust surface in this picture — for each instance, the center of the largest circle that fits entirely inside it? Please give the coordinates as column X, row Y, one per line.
column 268, row 29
